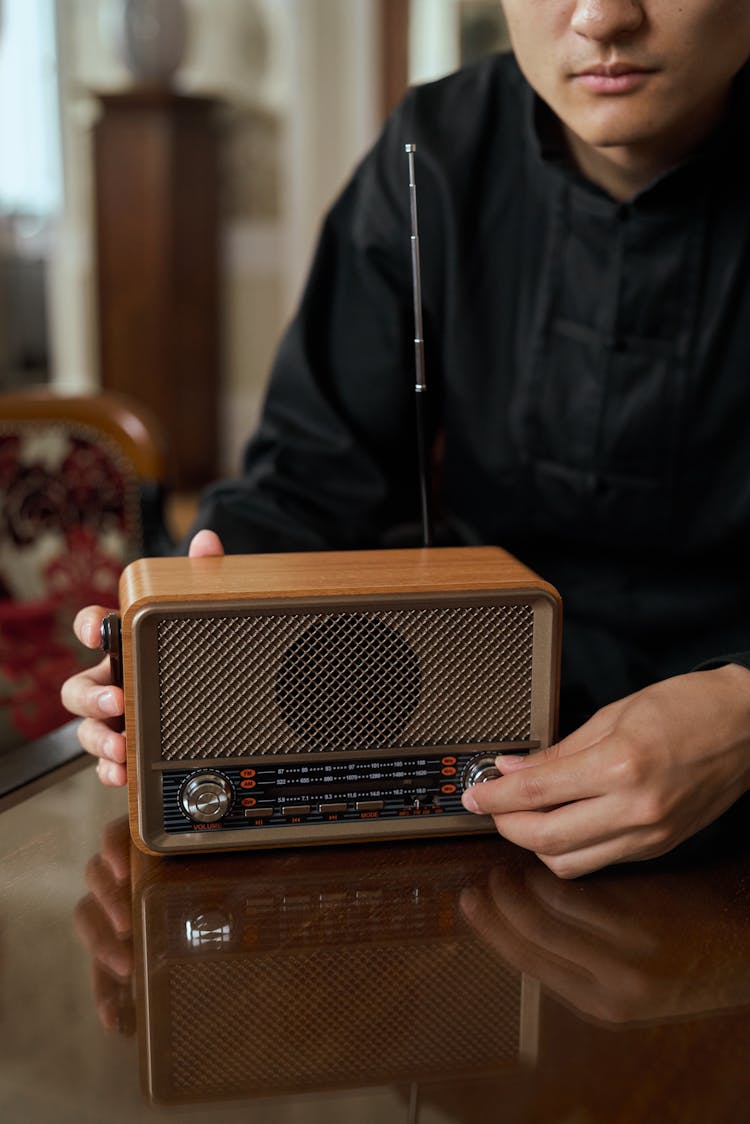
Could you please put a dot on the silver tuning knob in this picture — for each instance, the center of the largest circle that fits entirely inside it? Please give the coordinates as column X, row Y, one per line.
column 480, row 769
column 206, row 797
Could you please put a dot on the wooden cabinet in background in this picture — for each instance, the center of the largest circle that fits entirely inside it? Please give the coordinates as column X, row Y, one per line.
column 156, row 159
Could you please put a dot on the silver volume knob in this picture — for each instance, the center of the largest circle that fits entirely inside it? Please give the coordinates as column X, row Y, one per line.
column 206, row 797
column 480, row 769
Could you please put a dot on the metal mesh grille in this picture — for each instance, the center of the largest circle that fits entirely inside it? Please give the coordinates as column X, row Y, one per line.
column 359, row 681
column 309, row 1020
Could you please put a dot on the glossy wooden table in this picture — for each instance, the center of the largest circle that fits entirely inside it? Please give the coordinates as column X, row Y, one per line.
column 429, row 982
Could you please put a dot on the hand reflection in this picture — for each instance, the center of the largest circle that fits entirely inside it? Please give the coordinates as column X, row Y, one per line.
column 626, row 949
column 103, row 923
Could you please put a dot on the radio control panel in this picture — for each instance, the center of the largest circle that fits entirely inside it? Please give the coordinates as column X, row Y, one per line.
column 271, row 793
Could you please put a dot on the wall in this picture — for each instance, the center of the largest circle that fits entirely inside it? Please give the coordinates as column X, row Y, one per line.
column 446, row 34
column 298, row 81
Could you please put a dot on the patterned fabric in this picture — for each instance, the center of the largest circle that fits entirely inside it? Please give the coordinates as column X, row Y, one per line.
column 69, row 522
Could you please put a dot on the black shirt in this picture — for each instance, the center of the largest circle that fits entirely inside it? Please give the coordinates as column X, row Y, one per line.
column 588, row 366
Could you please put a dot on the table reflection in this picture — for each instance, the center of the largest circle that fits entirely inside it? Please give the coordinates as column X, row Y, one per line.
column 627, row 948
column 302, row 971
column 418, row 967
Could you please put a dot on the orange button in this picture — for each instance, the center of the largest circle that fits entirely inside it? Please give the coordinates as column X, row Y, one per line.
column 449, row 761
column 247, row 772
column 448, row 771
column 249, row 802
column 247, row 784
column 448, row 789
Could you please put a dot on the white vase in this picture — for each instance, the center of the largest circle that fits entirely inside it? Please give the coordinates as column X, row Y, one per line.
column 148, row 36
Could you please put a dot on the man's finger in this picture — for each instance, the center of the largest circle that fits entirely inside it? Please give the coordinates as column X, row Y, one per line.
column 111, row 774
column 88, row 625
column 98, row 739
column 585, row 836
column 206, row 544
column 90, row 694
column 542, row 782
column 592, row 733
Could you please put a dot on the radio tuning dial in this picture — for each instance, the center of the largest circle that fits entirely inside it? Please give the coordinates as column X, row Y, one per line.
column 480, row 769
column 206, row 797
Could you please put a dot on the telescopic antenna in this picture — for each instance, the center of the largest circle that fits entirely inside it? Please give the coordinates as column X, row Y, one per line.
column 420, row 388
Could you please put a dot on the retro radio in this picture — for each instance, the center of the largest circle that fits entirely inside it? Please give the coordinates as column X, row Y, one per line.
column 303, row 698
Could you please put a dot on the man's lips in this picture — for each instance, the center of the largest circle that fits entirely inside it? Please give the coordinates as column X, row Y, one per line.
column 612, row 78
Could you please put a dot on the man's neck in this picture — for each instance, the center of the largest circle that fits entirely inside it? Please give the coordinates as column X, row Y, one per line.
column 620, row 172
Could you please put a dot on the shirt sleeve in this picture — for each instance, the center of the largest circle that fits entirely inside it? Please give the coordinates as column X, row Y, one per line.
column 333, row 463
column 741, row 658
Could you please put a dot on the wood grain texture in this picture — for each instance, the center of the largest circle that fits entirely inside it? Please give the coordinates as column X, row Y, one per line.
column 325, row 574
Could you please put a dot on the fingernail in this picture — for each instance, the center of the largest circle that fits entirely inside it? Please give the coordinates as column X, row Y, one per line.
column 469, row 802
column 509, row 759
column 87, row 634
column 110, row 749
column 106, row 771
column 107, row 703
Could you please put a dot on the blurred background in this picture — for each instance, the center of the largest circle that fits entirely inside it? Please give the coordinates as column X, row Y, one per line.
column 164, row 166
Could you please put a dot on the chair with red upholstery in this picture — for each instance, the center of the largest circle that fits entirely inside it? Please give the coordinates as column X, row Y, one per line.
column 81, row 495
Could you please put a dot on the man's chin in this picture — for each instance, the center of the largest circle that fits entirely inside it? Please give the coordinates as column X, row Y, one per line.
column 611, row 136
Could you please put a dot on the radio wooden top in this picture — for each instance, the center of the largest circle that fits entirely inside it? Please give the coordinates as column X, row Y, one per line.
column 329, row 573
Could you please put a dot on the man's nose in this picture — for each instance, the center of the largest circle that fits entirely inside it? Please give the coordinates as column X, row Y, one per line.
column 605, row 20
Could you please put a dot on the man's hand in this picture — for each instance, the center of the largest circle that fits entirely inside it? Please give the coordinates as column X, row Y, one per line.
column 91, row 695
column 638, row 778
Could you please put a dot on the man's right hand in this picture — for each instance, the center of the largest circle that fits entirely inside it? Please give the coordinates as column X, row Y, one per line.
column 91, row 695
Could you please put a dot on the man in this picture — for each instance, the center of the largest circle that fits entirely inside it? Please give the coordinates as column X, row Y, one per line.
column 585, row 233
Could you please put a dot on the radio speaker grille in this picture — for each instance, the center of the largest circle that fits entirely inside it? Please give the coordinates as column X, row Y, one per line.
column 276, row 683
